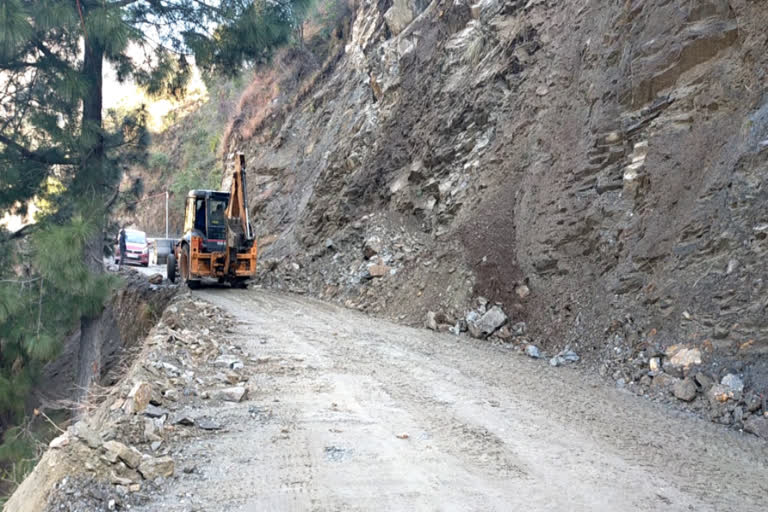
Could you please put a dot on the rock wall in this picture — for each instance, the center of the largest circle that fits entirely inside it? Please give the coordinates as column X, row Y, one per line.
column 597, row 167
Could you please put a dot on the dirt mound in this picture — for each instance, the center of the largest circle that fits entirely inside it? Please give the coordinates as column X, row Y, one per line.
column 119, row 452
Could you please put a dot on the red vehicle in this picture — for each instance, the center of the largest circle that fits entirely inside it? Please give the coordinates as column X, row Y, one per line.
column 136, row 248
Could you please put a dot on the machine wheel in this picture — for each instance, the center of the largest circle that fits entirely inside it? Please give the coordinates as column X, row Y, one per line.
column 170, row 268
column 193, row 284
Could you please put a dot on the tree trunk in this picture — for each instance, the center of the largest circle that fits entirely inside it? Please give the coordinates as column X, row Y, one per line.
column 91, row 185
column 91, row 179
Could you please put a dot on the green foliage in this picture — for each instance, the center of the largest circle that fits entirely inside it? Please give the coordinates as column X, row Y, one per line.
column 201, row 168
column 326, row 16
column 158, row 161
column 251, row 38
column 17, row 454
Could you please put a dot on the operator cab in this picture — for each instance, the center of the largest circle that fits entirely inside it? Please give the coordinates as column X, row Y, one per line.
column 205, row 217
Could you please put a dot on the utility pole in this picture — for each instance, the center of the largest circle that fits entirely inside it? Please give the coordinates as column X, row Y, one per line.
column 166, row 213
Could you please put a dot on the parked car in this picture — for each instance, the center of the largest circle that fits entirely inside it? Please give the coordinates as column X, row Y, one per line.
column 136, row 248
column 159, row 249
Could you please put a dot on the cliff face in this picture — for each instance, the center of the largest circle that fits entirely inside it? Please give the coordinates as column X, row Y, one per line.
column 609, row 157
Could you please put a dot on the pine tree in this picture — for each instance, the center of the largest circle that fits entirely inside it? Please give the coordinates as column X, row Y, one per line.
column 57, row 148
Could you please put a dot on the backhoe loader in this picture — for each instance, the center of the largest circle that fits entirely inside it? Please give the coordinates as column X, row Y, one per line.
column 218, row 241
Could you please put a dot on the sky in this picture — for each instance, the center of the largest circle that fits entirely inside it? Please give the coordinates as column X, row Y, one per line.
column 129, row 95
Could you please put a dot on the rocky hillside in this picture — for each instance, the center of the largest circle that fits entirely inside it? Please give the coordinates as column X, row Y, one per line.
column 596, row 168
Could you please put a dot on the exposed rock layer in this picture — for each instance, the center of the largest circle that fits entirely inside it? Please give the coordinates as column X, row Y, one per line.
column 610, row 157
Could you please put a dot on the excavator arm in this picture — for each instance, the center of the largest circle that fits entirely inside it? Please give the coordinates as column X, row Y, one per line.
column 239, row 236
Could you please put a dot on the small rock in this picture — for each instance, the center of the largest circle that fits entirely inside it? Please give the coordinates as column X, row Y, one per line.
column 184, row 419
column 684, row 390
column 663, row 381
column 153, row 411
column 131, row 456
column 753, row 401
column 684, row 357
column 522, row 291
column 703, row 381
column 672, row 369
column 138, row 398
column 207, row 424
column 379, row 270
column 488, row 323
column 150, row 430
column 758, row 426
column 111, row 504
column 153, row 467
column 533, row 351
column 372, row 247
column 120, row 480
column 565, row 356
column 86, row 434
column 733, row 382
column 155, row 279
column 155, row 445
column 431, row 321
column 59, row 442
column 171, row 394
column 655, row 364
column 720, row 393
column 227, row 361
column 234, row 394
column 519, row 329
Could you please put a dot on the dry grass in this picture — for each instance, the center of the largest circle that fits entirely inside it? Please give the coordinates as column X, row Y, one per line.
column 278, row 89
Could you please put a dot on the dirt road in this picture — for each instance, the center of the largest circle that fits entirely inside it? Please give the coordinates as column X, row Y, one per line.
column 348, row 412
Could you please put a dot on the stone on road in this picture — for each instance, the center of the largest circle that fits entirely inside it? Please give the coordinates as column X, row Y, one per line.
column 336, row 392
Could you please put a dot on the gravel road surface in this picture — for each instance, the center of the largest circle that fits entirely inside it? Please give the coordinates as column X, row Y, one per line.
column 347, row 412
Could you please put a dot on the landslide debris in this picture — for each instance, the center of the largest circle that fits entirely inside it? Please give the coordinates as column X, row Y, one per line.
column 594, row 169
column 132, row 441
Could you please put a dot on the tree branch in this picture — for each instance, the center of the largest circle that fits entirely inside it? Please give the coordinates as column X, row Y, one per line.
column 121, row 3
column 36, row 157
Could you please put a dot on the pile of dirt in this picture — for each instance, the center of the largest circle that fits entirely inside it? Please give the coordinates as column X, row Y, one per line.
column 130, row 442
column 608, row 159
